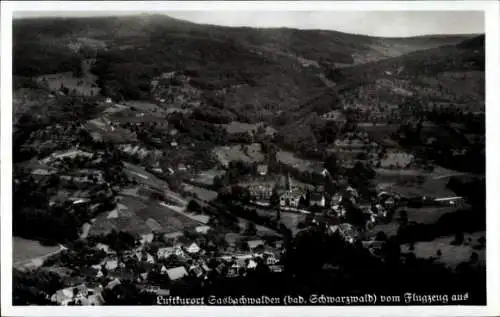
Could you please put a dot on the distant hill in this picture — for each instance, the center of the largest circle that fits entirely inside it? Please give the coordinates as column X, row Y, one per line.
column 466, row 55
column 257, row 69
column 450, row 76
column 314, row 45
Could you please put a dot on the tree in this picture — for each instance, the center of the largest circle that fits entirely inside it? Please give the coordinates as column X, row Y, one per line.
column 474, row 257
column 194, row 206
column 381, row 236
column 307, row 198
column 482, row 241
column 274, row 200
column 331, row 164
column 459, row 238
column 403, row 216
column 355, row 216
column 302, row 202
column 250, row 229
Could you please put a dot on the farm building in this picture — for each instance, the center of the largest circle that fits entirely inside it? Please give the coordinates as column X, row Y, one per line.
column 177, row 273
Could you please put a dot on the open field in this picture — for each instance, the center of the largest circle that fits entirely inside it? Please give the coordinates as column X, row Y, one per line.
column 166, row 219
column 390, row 229
column 29, row 254
column 427, row 215
column 246, row 153
column 142, row 106
column 144, row 177
column 302, row 165
column 82, row 86
column 241, row 127
column 291, row 220
column 430, row 186
column 452, row 255
column 261, row 230
column 25, row 250
column 201, row 218
column 200, row 193
column 207, row 177
column 137, row 217
column 100, row 129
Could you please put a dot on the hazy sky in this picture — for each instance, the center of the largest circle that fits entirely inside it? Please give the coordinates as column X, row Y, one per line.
column 376, row 23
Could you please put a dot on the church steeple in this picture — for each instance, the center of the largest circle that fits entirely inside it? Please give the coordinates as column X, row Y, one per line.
column 288, row 183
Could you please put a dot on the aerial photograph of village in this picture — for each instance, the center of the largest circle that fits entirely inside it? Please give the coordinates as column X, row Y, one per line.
column 158, row 157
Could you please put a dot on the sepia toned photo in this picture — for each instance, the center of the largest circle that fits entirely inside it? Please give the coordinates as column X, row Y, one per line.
column 247, row 158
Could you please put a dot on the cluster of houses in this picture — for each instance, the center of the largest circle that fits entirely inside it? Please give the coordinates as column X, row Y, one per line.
column 180, row 259
column 80, row 295
column 60, row 165
column 289, row 193
column 174, row 88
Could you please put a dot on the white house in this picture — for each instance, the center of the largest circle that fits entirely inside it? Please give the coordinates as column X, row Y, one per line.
column 164, row 253
column 262, row 169
column 111, row 265
column 251, row 264
column 67, row 295
column 104, row 247
column 176, row 273
column 271, row 260
column 290, row 199
column 193, row 248
column 196, row 270
column 202, row 229
column 112, row 284
column 147, row 238
column 148, row 257
column 179, row 252
column 163, row 270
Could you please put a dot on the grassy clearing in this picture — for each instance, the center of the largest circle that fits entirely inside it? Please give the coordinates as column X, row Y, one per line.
column 390, row 229
column 143, row 177
column 142, row 106
column 246, row 153
column 207, row 177
column 261, row 230
column 451, row 255
column 100, row 129
column 138, row 218
column 25, row 249
column 168, row 219
column 428, row 187
column 427, row 215
column 397, row 159
column 201, row 193
column 242, row 127
column 84, row 86
column 291, row 220
column 302, row 165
